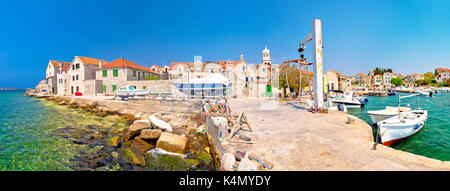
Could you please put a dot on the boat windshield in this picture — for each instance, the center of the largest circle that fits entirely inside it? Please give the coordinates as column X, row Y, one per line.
column 132, row 88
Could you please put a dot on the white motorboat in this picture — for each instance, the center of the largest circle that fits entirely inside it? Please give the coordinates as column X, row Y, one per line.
column 348, row 99
column 424, row 92
column 130, row 91
column 380, row 115
column 402, row 125
column 404, row 89
column 339, row 107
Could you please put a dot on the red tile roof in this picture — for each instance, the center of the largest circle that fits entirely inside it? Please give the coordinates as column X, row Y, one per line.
column 442, row 69
column 123, row 63
column 173, row 64
column 88, row 60
column 59, row 64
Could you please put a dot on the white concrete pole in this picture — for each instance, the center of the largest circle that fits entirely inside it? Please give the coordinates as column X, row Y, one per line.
column 317, row 54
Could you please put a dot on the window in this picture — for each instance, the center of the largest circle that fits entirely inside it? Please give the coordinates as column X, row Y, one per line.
column 78, row 89
column 105, row 73
column 104, row 88
column 77, row 77
column 115, row 72
column 114, row 87
column 71, row 89
column 134, row 73
column 78, row 66
column 73, row 78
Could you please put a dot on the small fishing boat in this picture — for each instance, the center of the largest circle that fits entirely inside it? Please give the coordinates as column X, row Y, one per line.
column 378, row 93
column 349, row 99
column 130, row 91
column 404, row 89
column 402, row 125
column 380, row 115
column 391, row 92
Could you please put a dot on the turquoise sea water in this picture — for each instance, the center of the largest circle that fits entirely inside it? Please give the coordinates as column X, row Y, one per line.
column 434, row 139
column 26, row 139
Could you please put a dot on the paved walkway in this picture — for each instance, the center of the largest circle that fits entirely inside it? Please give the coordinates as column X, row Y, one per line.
column 294, row 139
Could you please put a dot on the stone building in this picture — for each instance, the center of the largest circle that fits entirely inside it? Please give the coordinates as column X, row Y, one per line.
column 413, row 77
column 443, row 74
column 81, row 71
column 387, row 76
column 119, row 72
column 247, row 80
column 63, row 79
column 377, row 80
column 52, row 70
column 363, row 79
column 337, row 81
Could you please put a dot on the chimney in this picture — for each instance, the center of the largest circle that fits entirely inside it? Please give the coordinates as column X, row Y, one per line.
column 101, row 63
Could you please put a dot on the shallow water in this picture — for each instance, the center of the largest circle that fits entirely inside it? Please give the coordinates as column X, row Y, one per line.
column 434, row 139
column 26, row 140
column 36, row 134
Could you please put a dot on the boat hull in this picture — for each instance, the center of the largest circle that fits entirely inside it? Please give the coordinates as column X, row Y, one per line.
column 392, row 133
column 348, row 104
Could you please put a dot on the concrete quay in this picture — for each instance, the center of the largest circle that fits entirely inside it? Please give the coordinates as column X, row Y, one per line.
column 294, row 139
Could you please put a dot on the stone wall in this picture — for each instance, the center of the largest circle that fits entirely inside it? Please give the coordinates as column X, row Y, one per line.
column 152, row 85
column 93, row 87
column 110, row 80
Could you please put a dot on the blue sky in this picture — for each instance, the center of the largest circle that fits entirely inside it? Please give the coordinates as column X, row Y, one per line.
column 407, row 36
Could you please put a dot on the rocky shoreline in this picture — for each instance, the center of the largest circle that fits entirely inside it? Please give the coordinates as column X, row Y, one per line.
column 143, row 143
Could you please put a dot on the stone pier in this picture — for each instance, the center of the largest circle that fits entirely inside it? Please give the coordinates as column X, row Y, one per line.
column 294, row 139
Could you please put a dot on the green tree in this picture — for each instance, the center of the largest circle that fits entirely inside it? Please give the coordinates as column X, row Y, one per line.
column 381, row 71
column 355, row 83
column 418, row 82
column 447, row 82
column 293, row 77
column 397, row 81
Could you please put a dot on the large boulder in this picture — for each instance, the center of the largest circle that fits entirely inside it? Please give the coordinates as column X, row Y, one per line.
column 137, row 127
column 150, row 133
column 171, row 142
column 160, row 124
column 135, row 151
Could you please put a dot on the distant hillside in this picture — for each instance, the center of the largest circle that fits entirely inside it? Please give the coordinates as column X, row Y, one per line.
column 11, row 88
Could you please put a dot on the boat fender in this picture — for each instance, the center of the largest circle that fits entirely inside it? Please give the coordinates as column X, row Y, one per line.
column 341, row 107
column 417, row 126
